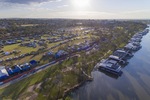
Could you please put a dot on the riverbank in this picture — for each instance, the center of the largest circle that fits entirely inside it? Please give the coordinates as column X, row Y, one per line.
column 79, row 85
column 133, row 84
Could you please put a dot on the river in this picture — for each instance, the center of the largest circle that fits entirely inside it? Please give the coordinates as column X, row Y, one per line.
column 134, row 84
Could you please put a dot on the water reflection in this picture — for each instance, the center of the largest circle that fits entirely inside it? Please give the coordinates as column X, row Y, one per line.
column 134, row 84
column 110, row 75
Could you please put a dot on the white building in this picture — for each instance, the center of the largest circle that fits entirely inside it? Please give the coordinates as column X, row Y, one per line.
column 3, row 72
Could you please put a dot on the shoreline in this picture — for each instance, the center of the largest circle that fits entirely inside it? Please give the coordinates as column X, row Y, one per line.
column 75, row 87
column 89, row 79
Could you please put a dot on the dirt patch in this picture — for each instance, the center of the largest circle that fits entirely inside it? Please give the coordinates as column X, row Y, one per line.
column 30, row 94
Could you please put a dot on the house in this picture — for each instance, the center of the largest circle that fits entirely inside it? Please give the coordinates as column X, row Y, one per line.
column 41, row 42
column 25, row 67
column 6, row 53
column 60, row 53
column 33, row 62
column 49, row 54
column 1, row 43
column 3, row 73
column 10, row 42
column 10, row 71
column 17, row 69
column 30, row 44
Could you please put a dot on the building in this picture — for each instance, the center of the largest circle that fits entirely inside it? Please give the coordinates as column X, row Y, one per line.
column 60, row 53
column 33, row 62
column 3, row 73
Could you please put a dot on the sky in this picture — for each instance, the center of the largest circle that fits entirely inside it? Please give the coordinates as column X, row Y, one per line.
column 76, row 9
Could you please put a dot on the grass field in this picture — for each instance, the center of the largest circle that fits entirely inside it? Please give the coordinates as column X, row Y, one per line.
column 52, row 75
column 9, row 48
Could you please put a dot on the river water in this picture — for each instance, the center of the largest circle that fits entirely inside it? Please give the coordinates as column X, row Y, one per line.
column 134, row 84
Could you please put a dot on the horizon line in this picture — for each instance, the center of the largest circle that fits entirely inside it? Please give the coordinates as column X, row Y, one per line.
column 81, row 18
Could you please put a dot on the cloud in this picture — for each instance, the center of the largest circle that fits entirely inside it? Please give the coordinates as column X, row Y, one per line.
column 62, row 6
column 136, row 11
column 28, row 1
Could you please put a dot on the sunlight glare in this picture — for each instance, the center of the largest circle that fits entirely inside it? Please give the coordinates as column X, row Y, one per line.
column 81, row 3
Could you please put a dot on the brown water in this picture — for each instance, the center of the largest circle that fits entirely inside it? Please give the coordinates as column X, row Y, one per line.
column 134, row 84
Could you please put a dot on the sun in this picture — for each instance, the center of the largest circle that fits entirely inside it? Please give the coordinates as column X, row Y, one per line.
column 81, row 3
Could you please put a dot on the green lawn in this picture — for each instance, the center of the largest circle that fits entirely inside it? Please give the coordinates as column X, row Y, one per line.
column 24, row 50
column 13, row 91
column 9, row 48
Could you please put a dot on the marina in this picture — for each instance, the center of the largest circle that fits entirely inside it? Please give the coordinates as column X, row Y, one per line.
column 133, row 84
column 114, row 62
